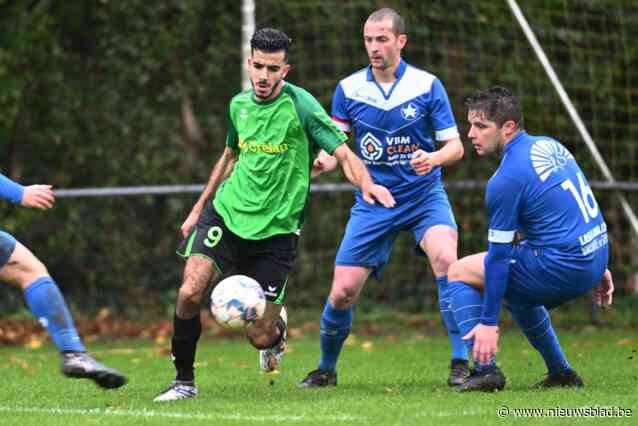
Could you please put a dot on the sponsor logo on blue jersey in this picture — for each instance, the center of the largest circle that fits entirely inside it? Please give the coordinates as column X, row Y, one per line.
column 547, row 157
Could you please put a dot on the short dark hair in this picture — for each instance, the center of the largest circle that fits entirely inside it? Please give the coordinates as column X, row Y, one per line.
column 398, row 23
column 497, row 104
column 270, row 40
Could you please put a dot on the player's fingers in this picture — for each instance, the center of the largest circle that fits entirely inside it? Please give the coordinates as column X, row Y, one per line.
column 45, row 200
column 386, row 199
column 368, row 198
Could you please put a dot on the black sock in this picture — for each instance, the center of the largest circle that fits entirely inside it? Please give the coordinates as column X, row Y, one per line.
column 184, row 342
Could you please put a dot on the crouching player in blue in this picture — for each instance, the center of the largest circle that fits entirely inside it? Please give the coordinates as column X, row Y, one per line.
column 18, row 266
column 540, row 192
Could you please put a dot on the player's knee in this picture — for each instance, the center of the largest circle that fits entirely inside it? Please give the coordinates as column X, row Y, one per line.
column 442, row 261
column 26, row 271
column 189, row 295
column 342, row 297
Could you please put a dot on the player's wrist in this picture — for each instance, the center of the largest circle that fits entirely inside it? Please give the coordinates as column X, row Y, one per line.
column 489, row 321
column 10, row 190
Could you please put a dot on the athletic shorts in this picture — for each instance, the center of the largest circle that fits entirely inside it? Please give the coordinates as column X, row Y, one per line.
column 268, row 261
column 7, row 245
column 372, row 229
column 550, row 277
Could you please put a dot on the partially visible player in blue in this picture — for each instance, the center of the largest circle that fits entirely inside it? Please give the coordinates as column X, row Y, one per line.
column 398, row 113
column 18, row 266
column 540, row 192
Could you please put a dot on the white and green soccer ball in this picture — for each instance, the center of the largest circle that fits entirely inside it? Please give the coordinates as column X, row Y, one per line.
column 237, row 301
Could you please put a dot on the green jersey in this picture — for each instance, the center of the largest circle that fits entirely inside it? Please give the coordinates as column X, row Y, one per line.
column 277, row 142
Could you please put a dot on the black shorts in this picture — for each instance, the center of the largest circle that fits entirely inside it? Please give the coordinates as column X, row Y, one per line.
column 268, row 261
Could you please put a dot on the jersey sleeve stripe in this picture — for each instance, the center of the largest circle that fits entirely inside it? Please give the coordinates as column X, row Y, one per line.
column 343, row 125
column 496, row 236
column 447, row 134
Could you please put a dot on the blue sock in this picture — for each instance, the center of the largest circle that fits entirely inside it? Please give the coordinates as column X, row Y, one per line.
column 537, row 326
column 335, row 327
column 47, row 304
column 459, row 350
column 467, row 305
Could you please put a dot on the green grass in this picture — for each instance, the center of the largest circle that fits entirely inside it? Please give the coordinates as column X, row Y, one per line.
column 382, row 381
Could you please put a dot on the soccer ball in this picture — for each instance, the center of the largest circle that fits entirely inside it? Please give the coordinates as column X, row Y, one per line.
column 237, row 301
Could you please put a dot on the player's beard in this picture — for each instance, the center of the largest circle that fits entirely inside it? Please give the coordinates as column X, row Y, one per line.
column 274, row 87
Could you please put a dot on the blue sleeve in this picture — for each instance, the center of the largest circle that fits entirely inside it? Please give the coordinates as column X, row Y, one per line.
column 339, row 112
column 10, row 190
column 441, row 113
column 503, row 198
column 497, row 263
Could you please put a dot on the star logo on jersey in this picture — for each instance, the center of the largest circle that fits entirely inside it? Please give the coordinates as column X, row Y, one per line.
column 547, row 157
column 409, row 112
column 371, row 147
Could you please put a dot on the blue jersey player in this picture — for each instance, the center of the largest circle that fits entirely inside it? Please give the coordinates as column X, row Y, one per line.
column 18, row 266
column 397, row 113
column 539, row 192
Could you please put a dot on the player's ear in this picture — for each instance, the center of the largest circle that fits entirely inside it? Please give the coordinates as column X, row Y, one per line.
column 286, row 69
column 402, row 39
column 509, row 127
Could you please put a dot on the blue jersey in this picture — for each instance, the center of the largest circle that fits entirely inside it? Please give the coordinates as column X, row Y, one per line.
column 540, row 191
column 390, row 123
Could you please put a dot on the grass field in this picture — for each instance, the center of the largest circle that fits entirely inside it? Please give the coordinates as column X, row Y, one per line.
column 383, row 380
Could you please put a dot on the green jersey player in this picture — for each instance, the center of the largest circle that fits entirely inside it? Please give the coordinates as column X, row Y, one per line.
column 247, row 220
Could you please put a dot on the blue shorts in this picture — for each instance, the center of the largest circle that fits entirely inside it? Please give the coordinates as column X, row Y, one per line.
column 550, row 277
column 7, row 245
column 371, row 230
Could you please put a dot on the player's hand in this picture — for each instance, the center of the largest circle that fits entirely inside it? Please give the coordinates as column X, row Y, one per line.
column 422, row 162
column 604, row 290
column 190, row 221
column 38, row 197
column 380, row 193
column 322, row 164
column 485, row 342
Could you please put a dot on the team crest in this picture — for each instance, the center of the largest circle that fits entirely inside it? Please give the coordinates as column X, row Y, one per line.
column 547, row 157
column 371, row 147
column 409, row 112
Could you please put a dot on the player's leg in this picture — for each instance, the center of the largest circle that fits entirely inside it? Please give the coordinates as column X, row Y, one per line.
column 536, row 324
column 466, row 277
column 20, row 267
column 270, row 336
column 364, row 250
column 538, row 280
column 435, row 230
column 208, row 251
column 336, row 322
column 187, row 328
column 269, row 261
column 440, row 245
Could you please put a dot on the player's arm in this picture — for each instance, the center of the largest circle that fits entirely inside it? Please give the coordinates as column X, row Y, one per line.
column 503, row 199
column 325, row 162
column 357, row 173
column 222, row 169
column 497, row 264
column 34, row 196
